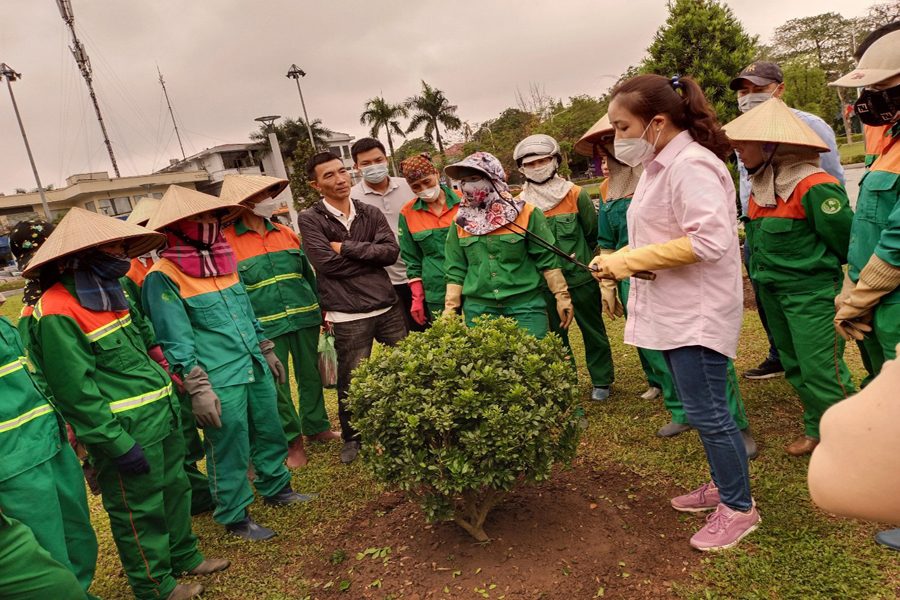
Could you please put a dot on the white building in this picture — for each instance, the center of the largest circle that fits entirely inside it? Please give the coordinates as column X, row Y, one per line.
column 219, row 161
column 339, row 145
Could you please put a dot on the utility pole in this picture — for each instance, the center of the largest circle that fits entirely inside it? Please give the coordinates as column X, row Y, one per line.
column 84, row 65
column 11, row 75
column 296, row 73
column 286, row 196
column 171, row 114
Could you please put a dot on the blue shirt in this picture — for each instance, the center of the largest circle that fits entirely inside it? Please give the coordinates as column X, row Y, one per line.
column 829, row 161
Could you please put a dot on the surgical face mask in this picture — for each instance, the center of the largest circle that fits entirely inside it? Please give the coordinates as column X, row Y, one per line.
column 541, row 174
column 264, row 209
column 634, row 151
column 429, row 194
column 878, row 107
column 751, row 101
column 375, row 173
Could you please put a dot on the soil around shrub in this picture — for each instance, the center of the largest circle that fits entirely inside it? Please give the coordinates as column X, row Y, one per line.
column 589, row 532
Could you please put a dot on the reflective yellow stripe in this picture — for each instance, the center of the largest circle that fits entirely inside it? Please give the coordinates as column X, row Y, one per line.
column 292, row 311
column 102, row 332
column 275, row 279
column 12, row 367
column 34, row 413
column 135, row 401
column 37, row 311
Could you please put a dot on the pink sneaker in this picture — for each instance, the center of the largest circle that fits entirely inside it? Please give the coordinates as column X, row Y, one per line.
column 706, row 497
column 725, row 528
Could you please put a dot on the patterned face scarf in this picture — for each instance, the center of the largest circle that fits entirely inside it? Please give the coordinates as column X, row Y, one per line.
column 486, row 204
column 24, row 239
column 198, row 249
column 785, row 167
column 97, row 275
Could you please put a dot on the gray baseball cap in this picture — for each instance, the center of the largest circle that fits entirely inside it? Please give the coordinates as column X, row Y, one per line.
column 758, row 73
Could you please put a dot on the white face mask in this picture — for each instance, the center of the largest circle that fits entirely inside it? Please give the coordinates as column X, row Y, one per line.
column 264, row 209
column 429, row 194
column 751, row 101
column 540, row 174
column 375, row 173
column 633, row 151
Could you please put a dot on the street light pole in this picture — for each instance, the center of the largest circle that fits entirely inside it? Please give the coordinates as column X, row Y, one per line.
column 296, row 73
column 287, row 196
column 11, row 75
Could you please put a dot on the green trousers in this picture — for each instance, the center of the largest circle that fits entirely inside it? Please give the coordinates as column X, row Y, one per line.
column 303, row 347
column 150, row 518
column 250, row 431
column 886, row 325
column 434, row 307
column 50, row 499
column 658, row 376
column 201, row 499
column 872, row 355
column 531, row 315
column 589, row 316
column 812, row 352
column 27, row 571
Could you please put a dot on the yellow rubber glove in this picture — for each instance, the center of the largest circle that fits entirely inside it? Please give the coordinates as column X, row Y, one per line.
column 609, row 294
column 668, row 255
column 453, row 299
column 556, row 281
column 595, row 262
column 846, row 289
column 876, row 279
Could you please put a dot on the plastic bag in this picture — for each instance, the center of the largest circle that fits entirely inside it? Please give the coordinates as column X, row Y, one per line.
column 327, row 360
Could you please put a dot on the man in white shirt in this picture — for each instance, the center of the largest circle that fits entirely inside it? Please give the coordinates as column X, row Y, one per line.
column 389, row 195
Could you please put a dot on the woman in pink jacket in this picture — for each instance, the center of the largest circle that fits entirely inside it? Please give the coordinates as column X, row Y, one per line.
column 682, row 224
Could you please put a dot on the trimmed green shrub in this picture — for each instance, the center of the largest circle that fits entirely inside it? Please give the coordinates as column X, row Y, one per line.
column 458, row 417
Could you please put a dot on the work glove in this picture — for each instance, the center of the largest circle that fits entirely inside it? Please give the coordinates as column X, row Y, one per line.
column 453, row 299
column 204, row 402
column 556, row 281
column 133, row 462
column 668, row 255
column 609, row 295
column 417, row 311
column 876, row 279
column 268, row 350
column 156, row 354
column 604, row 254
column 846, row 289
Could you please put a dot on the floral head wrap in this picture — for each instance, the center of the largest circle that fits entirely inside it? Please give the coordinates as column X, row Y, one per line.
column 418, row 167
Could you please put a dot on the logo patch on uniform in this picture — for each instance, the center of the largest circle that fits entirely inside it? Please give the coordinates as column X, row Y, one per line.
column 831, row 206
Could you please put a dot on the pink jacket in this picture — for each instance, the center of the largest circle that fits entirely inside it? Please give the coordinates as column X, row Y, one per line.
column 686, row 191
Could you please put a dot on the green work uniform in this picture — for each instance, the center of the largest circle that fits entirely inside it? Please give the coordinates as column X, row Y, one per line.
column 283, row 292
column 574, row 225
column 798, row 247
column 115, row 396
column 208, row 322
column 41, row 480
column 423, row 238
column 501, row 272
column 201, row 499
column 613, row 235
column 27, row 571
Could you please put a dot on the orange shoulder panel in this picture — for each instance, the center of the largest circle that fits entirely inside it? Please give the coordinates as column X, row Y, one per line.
column 568, row 205
column 876, row 138
column 604, row 190
column 250, row 244
column 138, row 271
column 58, row 301
column 27, row 311
column 422, row 220
column 890, row 160
column 194, row 286
column 793, row 208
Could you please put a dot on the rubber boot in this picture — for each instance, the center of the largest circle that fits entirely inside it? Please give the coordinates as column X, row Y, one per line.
column 185, row 591
column 296, row 457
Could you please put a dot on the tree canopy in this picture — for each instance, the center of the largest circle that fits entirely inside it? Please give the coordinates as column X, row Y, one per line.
column 432, row 109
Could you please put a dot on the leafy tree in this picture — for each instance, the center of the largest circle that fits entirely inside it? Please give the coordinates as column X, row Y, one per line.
column 568, row 123
column 883, row 13
column 414, row 146
column 806, row 89
column 703, row 39
column 499, row 137
column 380, row 114
column 432, row 109
column 304, row 194
column 290, row 133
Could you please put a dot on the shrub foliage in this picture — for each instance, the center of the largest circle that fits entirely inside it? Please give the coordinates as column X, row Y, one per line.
column 458, row 417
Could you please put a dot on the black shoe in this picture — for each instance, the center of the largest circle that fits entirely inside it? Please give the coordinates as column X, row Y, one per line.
column 767, row 369
column 288, row 496
column 249, row 529
column 599, row 393
column 349, row 452
column 749, row 444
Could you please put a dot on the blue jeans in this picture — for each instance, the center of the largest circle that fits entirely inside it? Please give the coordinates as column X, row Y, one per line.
column 773, row 351
column 700, row 376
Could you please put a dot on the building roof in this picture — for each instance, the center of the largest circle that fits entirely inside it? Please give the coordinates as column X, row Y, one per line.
column 455, row 149
column 176, row 165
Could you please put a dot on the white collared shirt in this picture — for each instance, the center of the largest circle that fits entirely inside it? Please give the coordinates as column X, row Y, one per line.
column 390, row 203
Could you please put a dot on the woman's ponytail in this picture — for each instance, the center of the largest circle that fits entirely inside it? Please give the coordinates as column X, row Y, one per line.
column 700, row 119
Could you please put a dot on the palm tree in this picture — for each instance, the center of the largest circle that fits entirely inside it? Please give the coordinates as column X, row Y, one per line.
column 432, row 109
column 290, row 134
column 377, row 114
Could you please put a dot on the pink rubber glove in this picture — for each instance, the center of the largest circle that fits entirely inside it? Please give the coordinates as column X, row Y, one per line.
column 418, row 302
column 156, row 354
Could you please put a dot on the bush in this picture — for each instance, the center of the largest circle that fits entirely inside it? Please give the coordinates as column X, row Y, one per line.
column 458, row 417
column 852, row 160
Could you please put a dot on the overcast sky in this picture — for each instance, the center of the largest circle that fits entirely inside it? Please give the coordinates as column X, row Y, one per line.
column 224, row 62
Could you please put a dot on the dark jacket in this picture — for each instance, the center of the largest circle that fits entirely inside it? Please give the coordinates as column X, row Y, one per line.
column 353, row 281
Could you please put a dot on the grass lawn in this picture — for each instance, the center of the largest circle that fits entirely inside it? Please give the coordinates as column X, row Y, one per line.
column 798, row 552
column 592, row 189
column 857, row 149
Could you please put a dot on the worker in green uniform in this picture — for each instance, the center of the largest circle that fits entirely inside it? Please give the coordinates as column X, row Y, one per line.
column 201, row 499
column 211, row 337
column 491, row 260
column 117, row 399
column 799, row 231
column 573, row 220
column 283, row 292
column 616, row 193
column 40, row 476
column 422, row 233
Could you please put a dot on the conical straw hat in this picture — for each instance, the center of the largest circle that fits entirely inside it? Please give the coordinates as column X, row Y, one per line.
column 143, row 211
column 239, row 189
column 81, row 229
column 180, row 202
column 773, row 121
column 599, row 130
